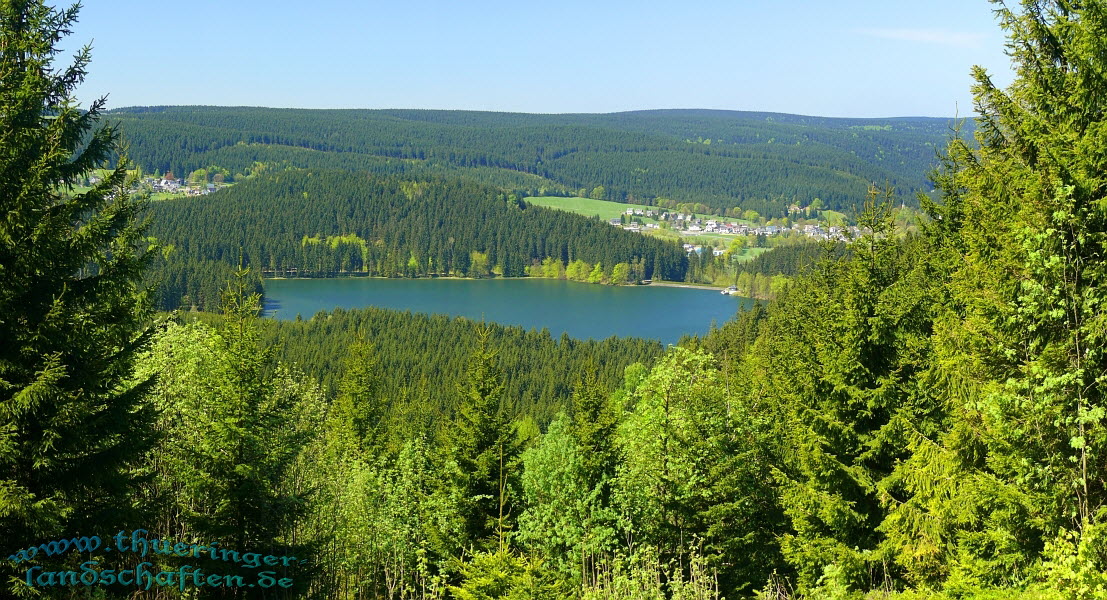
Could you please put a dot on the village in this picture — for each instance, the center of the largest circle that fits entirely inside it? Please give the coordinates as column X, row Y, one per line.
column 690, row 225
column 171, row 186
column 167, row 186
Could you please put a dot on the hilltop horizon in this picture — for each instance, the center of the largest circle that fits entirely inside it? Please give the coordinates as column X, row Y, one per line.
column 701, row 110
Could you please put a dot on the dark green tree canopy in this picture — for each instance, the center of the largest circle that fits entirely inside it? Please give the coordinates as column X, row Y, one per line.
column 759, row 161
column 71, row 312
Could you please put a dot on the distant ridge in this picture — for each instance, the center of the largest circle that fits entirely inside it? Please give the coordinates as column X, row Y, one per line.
column 720, row 159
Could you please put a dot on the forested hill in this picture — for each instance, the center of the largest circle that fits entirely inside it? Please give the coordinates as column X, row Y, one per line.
column 326, row 223
column 539, row 370
column 722, row 159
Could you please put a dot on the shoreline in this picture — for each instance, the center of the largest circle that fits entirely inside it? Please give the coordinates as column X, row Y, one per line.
column 654, row 283
column 677, row 284
column 360, row 276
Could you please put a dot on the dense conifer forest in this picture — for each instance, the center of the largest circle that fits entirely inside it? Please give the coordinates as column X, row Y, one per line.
column 325, row 223
column 724, row 160
column 794, row 259
column 912, row 417
column 539, row 371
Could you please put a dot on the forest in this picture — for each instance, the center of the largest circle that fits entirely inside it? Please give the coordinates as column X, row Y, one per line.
column 539, row 371
column 725, row 160
column 917, row 415
column 304, row 223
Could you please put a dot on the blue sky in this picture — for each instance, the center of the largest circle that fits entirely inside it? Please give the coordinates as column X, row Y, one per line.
column 855, row 58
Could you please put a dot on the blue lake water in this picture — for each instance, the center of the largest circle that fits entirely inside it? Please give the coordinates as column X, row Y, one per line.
column 582, row 310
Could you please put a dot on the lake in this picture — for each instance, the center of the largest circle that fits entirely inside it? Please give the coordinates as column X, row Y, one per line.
column 580, row 309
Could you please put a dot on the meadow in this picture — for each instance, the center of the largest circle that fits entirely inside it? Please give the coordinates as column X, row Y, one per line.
column 588, row 207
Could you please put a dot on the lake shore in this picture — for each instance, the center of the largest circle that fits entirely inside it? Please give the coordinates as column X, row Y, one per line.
column 584, row 311
column 654, row 283
column 693, row 286
column 357, row 275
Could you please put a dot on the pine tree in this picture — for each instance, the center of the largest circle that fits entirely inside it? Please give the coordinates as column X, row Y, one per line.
column 839, row 358
column 252, row 441
column 593, row 425
column 358, row 406
column 483, row 447
column 1019, row 345
column 71, row 311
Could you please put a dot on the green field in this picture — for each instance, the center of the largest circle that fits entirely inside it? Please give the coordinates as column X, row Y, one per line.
column 704, row 239
column 166, row 196
column 589, row 207
column 833, row 218
column 749, row 254
column 610, row 210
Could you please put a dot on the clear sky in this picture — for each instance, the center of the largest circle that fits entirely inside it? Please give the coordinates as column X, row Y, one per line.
column 856, row 58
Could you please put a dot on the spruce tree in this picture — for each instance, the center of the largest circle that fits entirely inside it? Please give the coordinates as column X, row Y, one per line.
column 358, row 408
column 1019, row 344
column 484, row 448
column 71, row 307
column 838, row 360
column 593, row 425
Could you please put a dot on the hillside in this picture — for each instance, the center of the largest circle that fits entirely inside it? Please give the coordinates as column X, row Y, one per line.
column 328, row 223
column 721, row 159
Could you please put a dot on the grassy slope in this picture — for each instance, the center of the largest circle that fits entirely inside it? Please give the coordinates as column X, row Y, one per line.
column 589, row 207
column 610, row 210
column 834, row 217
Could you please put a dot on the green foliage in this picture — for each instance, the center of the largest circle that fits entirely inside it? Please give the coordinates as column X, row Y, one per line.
column 567, row 518
column 390, row 227
column 596, row 276
column 385, row 523
column 732, row 341
column 507, row 576
column 793, row 259
column 645, row 577
column 620, row 274
column 1005, row 593
column 855, row 335
column 1018, row 366
column 594, row 426
column 235, row 429
column 188, row 284
column 912, row 416
column 553, row 268
column 1076, row 564
column 482, row 446
column 359, row 406
column 762, row 162
column 695, row 475
column 422, row 359
column 72, row 316
column 248, row 447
